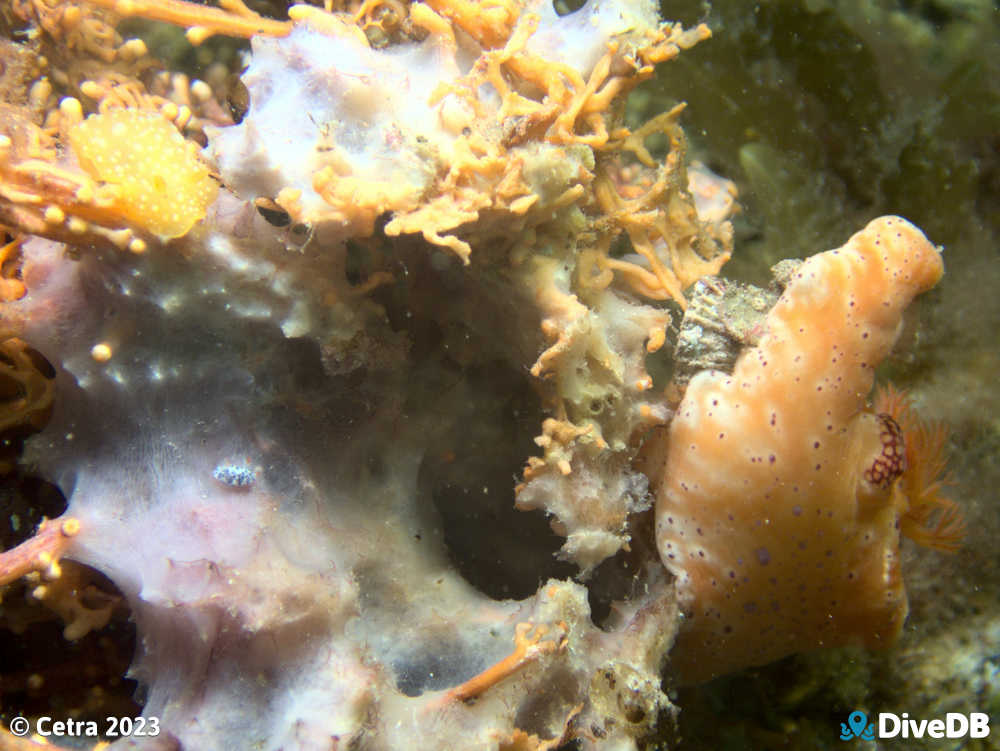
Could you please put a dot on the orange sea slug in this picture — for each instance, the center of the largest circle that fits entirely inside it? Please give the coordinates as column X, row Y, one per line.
column 780, row 504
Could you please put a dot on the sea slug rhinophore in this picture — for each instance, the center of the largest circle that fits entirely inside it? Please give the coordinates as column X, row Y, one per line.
column 772, row 511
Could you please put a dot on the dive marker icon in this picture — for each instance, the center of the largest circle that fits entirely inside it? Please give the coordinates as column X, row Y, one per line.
column 859, row 727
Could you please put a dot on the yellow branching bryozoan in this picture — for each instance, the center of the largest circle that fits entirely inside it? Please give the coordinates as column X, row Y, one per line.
column 778, row 510
column 157, row 180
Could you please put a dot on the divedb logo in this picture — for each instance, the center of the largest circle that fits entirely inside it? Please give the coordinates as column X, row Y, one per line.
column 954, row 725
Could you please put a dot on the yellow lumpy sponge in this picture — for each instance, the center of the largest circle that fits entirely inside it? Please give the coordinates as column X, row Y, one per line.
column 160, row 184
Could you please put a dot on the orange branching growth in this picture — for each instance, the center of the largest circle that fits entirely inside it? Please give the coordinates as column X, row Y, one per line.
column 77, row 180
column 72, row 596
column 930, row 519
column 571, row 109
column 503, row 29
column 140, row 179
column 657, row 214
column 489, row 22
column 617, row 73
column 519, row 740
column 78, row 28
column 25, row 391
column 528, row 647
column 10, row 288
column 111, row 90
column 40, row 197
column 101, row 72
column 558, row 439
column 233, row 18
column 40, row 553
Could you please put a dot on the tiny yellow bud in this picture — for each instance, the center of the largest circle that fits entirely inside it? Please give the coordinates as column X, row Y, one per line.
column 54, row 215
column 183, row 116
column 656, row 339
column 71, row 109
column 133, row 49
column 169, row 111
column 91, row 89
column 120, row 237
column 40, row 92
column 53, row 571
column 197, row 34
column 200, row 90
column 101, row 353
